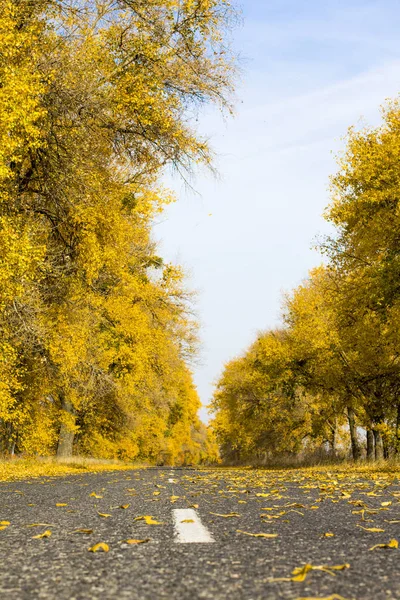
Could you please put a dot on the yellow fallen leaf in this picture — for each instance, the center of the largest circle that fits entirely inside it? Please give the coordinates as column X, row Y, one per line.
column 100, row 547
column 40, row 525
column 392, row 522
column 94, row 495
column 227, row 516
column 3, row 527
column 86, row 531
column 156, row 493
column 5, row 523
column 391, row 544
column 174, row 498
column 148, row 520
column 136, row 541
column 278, row 516
column 328, row 534
column 372, row 529
column 334, row 567
column 125, row 506
column 105, row 515
column 263, row 495
column 194, row 506
column 300, row 573
column 61, row 504
column 331, row 597
column 187, row 521
column 45, row 534
column 386, row 503
column 258, row 535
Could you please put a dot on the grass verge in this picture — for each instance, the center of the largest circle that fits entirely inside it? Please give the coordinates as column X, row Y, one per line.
column 25, row 468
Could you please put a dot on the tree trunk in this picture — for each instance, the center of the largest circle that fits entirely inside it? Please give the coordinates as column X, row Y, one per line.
column 334, row 438
column 397, row 449
column 67, row 430
column 355, row 446
column 378, row 445
column 370, row 445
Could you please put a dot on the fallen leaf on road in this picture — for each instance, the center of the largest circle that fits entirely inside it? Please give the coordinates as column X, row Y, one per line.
column 227, row 516
column 391, row 544
column 87, row 531
column 61, row 504
column 94, row 495
column 105, row 515
column 148, row 520
column 45, row 534
column 187, row 521
column 258, row 535
column 5, row 523
column 300, row 573
column 136, row 541
column 328, row 534
column 331, row 597
column 100, row 547
column 392, row 522
column 124, row 506
column 372, row 529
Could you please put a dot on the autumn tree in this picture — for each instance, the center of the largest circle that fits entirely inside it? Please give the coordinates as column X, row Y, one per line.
column 364, row 211
column 95, row 324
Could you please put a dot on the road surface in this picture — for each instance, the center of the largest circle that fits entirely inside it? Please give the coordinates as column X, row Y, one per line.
column 194, row 552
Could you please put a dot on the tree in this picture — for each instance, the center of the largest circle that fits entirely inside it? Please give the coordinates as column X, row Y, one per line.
column 95, row 324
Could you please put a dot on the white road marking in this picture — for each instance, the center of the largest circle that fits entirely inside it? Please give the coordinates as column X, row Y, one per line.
column 192, row 532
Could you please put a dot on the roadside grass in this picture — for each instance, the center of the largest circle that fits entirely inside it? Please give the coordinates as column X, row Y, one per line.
column 18, row 468
column 12, row 469
column 391, row 467
column 314, row 468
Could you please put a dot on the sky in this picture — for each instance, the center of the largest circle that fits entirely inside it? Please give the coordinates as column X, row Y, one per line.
column 309, row 70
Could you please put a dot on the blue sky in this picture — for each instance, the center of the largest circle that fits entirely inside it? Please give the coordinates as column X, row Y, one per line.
column 309, row 70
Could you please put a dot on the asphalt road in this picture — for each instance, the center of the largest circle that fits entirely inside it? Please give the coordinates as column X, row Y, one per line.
column 234, row 565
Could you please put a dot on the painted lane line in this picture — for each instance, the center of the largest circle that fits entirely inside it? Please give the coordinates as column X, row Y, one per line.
column 193, row 532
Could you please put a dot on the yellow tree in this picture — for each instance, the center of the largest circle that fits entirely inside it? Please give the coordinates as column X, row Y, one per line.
column 365, row 252
column 111, row 90
column 261, row 410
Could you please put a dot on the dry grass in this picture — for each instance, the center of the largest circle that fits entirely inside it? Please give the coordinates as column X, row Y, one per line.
column 23, row 468
column 312, row 467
